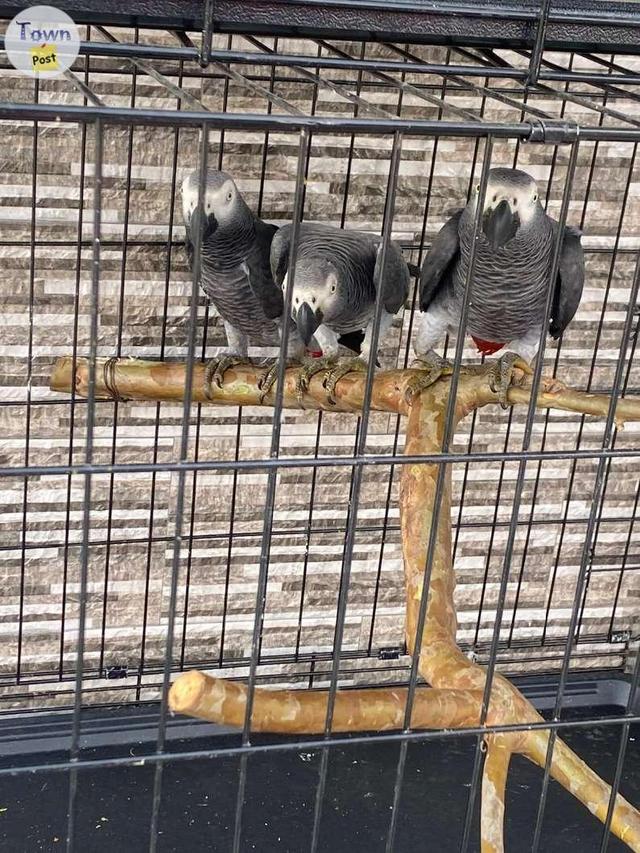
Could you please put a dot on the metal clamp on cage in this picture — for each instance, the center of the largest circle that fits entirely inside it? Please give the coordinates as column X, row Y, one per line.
column 553, row 131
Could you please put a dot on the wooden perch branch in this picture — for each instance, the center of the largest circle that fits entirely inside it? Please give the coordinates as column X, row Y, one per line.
column 494, row 783
column 296, row 711
column 454, row 698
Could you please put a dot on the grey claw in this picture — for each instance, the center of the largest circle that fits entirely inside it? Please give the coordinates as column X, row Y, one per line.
column 268, row 379
column 500, row 376
column 345, row 366
column 433, row 366
column 214, row 371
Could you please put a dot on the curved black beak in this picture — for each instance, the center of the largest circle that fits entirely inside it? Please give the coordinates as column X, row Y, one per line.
column 307, row 321
column 207, row 225
column 500, row 224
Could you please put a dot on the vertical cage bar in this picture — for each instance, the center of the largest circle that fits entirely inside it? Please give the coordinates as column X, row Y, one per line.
column 538, row 45
column 439, row 493
column 179, row 512
column 622, row 751
column 163, row 338
column 599, row 485
column 116, row 407
column 517, row 497
column 27, row 437
column 74, row 750
column 207, row 34
column 303, row 148
column 394, row 166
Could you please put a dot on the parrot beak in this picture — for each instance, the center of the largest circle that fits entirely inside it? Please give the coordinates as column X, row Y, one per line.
column 500, row 224
column 206, row 224
column 307, row 321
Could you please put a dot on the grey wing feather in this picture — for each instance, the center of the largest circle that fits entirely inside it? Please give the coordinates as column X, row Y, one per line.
column 259, row 271
column 569, row 282
column 188, row 245
column 394, row 278
column 442, row 254
column 280, row 255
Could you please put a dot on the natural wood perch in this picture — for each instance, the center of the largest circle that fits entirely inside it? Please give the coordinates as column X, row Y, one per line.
column 456, row 684
column 199, row 695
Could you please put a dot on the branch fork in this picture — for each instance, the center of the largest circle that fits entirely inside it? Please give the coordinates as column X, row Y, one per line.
column 454, row 697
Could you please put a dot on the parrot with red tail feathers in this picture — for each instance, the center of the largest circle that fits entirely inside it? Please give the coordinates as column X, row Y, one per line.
column 508, row 293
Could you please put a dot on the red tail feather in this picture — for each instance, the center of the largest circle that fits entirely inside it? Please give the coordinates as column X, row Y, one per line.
column 486, row 347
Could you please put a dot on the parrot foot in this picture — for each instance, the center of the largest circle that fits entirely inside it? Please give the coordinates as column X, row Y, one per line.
column 268, row 379
column 215, row 369
column 433, row 367
column 311, row 366
column 340, row 369
column 501, row 374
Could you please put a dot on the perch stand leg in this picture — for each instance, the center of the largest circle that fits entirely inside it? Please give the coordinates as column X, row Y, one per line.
column 441, row 663
column 494, row 783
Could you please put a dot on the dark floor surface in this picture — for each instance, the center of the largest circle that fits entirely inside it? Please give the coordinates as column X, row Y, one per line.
column 199, row 798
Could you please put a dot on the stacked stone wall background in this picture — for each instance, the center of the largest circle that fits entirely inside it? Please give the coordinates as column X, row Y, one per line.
column 45, row 233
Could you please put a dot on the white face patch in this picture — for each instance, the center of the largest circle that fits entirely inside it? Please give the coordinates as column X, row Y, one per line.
column 317, row 291
column 522, row 200
column 219, row 200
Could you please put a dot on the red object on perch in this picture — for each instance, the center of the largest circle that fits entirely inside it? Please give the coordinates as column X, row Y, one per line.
column 486, row 347
column 315, row 353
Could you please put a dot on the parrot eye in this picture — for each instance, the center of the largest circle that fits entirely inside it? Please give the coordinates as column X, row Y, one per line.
column 515, row 202
column 535, row 197
column 495, row 198
column 333, row 288
column 229, row 195
column 477, row 188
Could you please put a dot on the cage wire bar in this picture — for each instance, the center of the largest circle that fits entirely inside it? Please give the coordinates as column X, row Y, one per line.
column 536, row 126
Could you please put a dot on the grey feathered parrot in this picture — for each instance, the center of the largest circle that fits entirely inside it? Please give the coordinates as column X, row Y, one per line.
column 511, row 275
column 236, row 275
column 235, row 270
column 337, row 276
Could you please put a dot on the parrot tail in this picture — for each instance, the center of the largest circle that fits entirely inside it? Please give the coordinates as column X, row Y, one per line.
column 486, row 347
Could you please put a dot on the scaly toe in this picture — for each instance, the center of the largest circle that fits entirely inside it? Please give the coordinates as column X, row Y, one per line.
column 501, row 375
column 344, row 366
column 551, row 385
column 310, row 367
column 214, row 371
column 268, row 379
column 433, row 367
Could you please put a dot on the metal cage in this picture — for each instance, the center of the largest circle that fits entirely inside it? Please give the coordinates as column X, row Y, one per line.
column 143, row 539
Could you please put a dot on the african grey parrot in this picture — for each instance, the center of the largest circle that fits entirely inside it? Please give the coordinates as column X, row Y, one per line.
column 235, row 271
column 236, row 274
column 511, row 275
column 337, row 276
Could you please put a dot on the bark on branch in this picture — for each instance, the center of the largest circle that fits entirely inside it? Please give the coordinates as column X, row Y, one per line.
column 494, row 783
column 454, row 698
column 304, row 711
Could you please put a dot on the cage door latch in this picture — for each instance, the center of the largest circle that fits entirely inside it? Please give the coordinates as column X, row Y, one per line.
column 553, row 131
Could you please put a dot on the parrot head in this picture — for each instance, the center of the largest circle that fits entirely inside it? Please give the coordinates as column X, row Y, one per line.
column 221, row 204
column 315, row 298
column 511, row 203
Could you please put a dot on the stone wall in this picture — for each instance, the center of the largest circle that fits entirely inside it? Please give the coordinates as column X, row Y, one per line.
column 46, row 206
